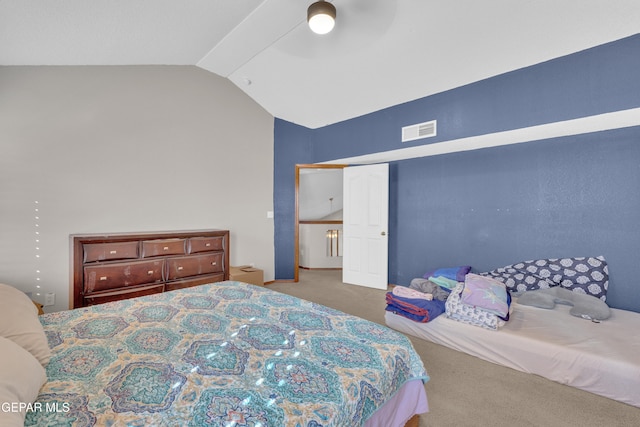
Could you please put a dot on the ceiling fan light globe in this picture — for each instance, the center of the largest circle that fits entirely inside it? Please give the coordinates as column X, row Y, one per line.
column 321, row 17
column 321, row 24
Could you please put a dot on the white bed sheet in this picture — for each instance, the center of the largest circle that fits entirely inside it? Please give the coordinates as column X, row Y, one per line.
column 602, row 358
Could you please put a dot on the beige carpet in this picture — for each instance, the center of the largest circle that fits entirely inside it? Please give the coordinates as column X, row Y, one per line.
column 464, row 390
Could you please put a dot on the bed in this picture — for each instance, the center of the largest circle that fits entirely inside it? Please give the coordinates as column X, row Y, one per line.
column 225, row 354
column 601, row 358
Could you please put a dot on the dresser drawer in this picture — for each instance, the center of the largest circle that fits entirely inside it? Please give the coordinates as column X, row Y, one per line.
column 118, row 275
column 206, row 244
column 195, row 265
column 137, row 291
column 151, row 248
column 110, row 251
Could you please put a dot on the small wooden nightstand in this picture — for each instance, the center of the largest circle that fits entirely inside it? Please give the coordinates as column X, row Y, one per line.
column 39, row 306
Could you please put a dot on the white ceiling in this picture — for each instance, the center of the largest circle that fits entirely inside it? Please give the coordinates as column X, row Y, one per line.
column 381, row 53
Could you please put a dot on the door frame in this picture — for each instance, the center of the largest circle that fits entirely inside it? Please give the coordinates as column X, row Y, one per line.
column 296, row 239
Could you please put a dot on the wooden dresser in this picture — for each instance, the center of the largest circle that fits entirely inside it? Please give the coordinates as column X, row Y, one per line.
column 112, row 267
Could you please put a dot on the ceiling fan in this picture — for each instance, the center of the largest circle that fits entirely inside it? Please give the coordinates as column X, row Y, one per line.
column 283, row 25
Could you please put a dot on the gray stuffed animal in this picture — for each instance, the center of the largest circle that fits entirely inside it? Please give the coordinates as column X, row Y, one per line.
column 585, row 306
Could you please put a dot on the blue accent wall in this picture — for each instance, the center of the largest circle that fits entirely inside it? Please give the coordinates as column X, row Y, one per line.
column 562, row 197
column 294, row 147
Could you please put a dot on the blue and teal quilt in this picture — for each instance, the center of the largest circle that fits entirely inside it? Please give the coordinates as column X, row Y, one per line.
column 224, row 354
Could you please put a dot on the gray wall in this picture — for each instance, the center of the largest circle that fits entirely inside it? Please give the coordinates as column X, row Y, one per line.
column 116, row 149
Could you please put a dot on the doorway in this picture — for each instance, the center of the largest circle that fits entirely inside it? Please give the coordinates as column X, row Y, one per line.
column 319, row 211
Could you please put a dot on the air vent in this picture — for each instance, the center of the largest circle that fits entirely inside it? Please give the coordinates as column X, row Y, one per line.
column 421, row 130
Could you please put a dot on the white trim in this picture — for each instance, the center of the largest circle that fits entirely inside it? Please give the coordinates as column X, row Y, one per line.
column 589, row 124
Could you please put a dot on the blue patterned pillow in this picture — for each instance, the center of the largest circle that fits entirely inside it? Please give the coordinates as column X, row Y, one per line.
column 588, row 275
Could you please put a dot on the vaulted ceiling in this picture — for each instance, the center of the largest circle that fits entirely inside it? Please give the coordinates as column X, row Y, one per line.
column 381, row 53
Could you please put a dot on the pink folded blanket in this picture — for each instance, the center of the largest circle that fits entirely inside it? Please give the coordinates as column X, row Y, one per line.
column 404, row 292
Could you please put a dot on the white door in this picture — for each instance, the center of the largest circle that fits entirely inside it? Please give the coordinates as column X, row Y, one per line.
column 365, row 222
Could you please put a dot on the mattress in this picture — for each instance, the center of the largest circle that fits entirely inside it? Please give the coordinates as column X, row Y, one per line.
column 601, row 358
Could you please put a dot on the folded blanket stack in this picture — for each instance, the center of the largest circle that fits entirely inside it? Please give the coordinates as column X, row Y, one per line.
column 424, row 299
column 463, row 296
column 418, row 309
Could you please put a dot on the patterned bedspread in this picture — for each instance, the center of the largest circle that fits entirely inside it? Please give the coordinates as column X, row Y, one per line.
column 225, row 354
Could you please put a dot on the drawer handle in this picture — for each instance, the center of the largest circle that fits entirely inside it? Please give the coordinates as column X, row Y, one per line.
column 207, row 244
column 113, row 252
column 103, row 277
column 150, row 272
column 214, row 263
column 180, row 268
column 166, row 248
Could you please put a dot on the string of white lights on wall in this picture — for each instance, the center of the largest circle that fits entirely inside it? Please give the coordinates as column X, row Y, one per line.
column 37, row 244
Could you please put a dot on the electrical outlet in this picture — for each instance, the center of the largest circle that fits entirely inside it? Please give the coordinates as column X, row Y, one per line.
column 49, row 299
